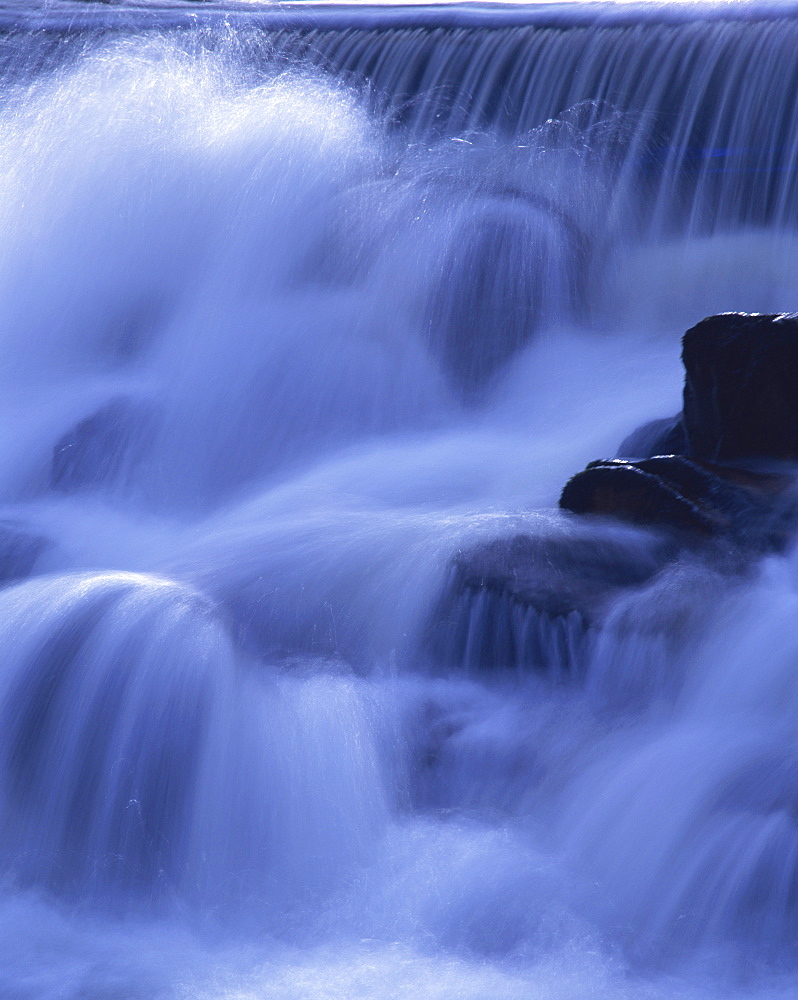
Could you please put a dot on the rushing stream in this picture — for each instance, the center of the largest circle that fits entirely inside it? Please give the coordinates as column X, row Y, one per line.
column 295, row 309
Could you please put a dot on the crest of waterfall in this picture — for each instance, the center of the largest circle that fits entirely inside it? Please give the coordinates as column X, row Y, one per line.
column 306, row 687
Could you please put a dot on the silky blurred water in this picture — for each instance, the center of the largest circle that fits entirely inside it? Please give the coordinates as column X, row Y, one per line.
column 277, row 346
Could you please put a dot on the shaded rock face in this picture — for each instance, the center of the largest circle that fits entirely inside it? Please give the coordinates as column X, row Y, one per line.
column 741, row 387
column 740, row 394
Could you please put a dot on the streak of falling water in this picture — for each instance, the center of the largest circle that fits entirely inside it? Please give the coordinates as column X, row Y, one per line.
column 292, row 317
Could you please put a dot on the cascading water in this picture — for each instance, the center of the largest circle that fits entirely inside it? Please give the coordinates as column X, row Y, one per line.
column 297, row 310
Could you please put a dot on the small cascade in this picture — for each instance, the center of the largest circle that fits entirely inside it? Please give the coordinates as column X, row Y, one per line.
column 487, row 630
column 106, row 703
column 534, row 602
column 692, row 142
column 133, row 733
column 308, row 685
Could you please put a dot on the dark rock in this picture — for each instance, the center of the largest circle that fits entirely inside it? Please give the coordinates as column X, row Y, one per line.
column 741, row 387
column 623, row 489
column 659, row 437
column 740, row 408
column 755, row 510
column 740, row 393
column 530, row 602
column 558, row 573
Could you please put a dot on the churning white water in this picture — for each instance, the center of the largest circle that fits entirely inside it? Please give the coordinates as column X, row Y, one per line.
column 276, row 349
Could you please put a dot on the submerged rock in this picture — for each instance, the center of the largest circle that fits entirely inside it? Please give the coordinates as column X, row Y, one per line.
column 515, row 254
column 95, row 452
column 20, row 549
column 530, row 602
column 104, row 721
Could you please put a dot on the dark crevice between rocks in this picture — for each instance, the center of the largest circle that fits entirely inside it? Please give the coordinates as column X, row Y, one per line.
column 658, row 437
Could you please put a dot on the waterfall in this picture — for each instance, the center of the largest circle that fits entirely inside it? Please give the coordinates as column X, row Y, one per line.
column 308, row 689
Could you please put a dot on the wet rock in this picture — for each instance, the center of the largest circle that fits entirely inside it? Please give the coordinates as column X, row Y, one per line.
column 624, row 490
column 710, row 470
column 705, row 480
column 741, row 387
column 754, row 510
column 530, row 602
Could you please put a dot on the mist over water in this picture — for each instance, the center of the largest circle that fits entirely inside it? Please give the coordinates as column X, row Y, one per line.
column 277, row 347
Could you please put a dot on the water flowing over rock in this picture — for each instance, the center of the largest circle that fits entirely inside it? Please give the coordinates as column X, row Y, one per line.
column 531, row 602
column 98, row 450
column 308, row 686
column 20, row 549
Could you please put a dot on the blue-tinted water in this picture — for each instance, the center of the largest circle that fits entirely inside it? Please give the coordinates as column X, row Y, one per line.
column 294, row 313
